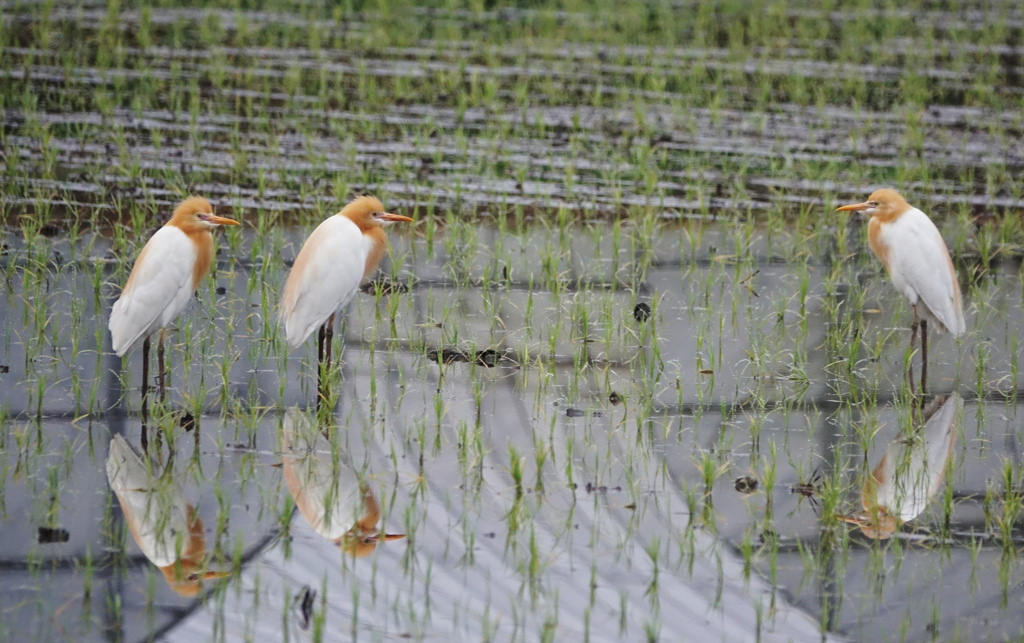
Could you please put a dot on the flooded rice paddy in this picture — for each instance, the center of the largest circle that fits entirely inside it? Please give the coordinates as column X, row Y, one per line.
column 619, row 381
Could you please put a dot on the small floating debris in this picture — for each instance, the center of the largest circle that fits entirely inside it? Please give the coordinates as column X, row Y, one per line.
column 745, row 282
column 447, row 356
column 810, row 489
column 4, row 368
column 384, row 287
column 641, row 312
column 50, row 535
column 746, row 485
column 615, row 398
column 187, row 421
column 488, row 357
column 51, row 230
column 303, row 606
column 769, row 537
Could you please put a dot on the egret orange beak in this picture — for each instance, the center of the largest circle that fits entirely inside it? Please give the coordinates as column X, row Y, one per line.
column 221, row 220
column 210, row 575
column 881, row 527
column 387, row 216
column 386, row 537
column 854, row 207
column 190, row 585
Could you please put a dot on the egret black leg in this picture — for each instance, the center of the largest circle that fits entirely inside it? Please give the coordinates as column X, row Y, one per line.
column 161, row 367
column 325, row 339
column 145, row 393
column 321, row 337
column 329, row 342
column 913, row 342
column 320, row 334
column 924, row 359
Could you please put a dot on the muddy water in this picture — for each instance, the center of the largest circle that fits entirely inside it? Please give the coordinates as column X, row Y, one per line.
column 576, row 469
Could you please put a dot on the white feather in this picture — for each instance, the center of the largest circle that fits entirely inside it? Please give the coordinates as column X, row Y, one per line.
column 325, row 277
column 156, row 509
column 326, row 489
column 920, row 269
column 158, row 289
column 913, row 470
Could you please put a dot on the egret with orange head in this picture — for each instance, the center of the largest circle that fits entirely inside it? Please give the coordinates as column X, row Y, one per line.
column 167, row 272
column 910, row 247
column 342, row 251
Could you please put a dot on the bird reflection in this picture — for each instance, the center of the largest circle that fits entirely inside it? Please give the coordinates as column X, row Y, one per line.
column 328, row 491
column 909, row 473
column 164, row 525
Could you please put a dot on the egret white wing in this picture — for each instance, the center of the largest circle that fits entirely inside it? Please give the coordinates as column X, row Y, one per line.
column 158, row 289
column 155, row 509
column 325, row 277
column 921, row 268
column 912, row 469
column 125, row 469
column 940, row 439
column 905, row 485
column 326, row 489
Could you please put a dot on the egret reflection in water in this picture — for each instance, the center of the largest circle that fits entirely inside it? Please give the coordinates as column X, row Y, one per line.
column 328, row 490
column 910, row 472
column 164, row 525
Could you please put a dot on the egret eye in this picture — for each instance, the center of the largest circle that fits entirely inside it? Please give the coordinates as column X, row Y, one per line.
column 873, row 204
column 192, row 577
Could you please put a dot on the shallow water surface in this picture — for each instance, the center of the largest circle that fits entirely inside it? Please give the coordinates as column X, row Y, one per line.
column 584, row 483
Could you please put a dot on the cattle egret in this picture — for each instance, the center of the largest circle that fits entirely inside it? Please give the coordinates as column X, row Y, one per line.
column 328, row 492
column 163, row 524
column 334, row 260
column 909, row 245
column 161, row 283
column 909, row 473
